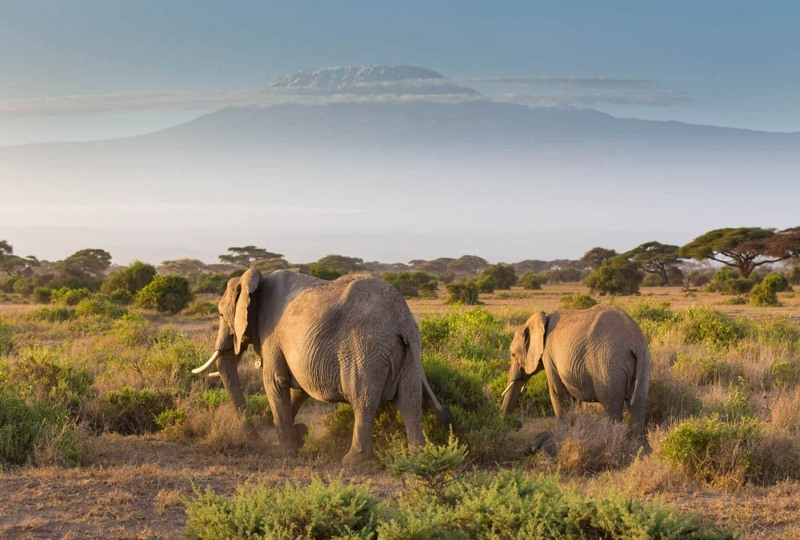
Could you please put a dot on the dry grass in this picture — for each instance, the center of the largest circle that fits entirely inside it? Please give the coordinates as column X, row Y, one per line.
column 131, row 487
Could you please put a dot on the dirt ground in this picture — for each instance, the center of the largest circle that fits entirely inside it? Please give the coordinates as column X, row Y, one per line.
column 134, row 487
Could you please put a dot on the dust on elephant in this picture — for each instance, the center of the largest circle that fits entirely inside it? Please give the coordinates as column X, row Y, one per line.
column 351, row 340
column 593, row 355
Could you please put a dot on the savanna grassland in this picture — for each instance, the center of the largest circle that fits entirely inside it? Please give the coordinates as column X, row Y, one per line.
column 114, row 437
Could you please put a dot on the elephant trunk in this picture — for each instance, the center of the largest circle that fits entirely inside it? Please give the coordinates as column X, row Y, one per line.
column 516, row 380
column 228, row 372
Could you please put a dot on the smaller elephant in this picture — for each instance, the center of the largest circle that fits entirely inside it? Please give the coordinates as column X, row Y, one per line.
column 593, row 355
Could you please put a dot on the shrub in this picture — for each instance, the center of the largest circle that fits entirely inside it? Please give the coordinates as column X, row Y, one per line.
column 171, row 418
column 35, row 433
column 472, row 333
column 70, row 297
column 199, row 308
column 728, row 281
column 503, row 274
column 464, row 292
column 129, row 411
column 329, row 509
column 211, row 283
column 54, row 314
column 8, row 284
column 486, row 283
column 432, row 464
column 616, row 278
column 765, row 293
column 324, row 272
column 23, row 286
column 122, row 297
column 99, row 306
column 671, row 399
column 532, row 280
column 168, row 294
column 711, row 450
column 43, row 295
column 6, row 338
column 132, row 279
column 413, row 284
column 589, row 442
column 41, row 376
column 577, row 301
column 706, row 325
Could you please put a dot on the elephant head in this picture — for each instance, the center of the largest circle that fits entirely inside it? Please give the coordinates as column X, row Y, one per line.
column 527, row 349
column 237, row 321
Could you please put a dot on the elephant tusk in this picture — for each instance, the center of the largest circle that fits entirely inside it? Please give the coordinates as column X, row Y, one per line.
column 214, row 375
column 207, row 364
column 508, row 388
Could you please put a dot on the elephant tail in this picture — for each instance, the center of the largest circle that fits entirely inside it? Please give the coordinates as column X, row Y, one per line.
column 414, row 358
column 641, row 380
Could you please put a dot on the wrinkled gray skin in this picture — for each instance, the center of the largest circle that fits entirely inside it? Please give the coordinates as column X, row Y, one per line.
column 592, row 355
column 352, row 340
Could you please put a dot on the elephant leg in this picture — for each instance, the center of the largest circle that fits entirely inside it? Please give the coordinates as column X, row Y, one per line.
column 637, row 423
column 298, row 398
column 409, row 402
column 613, row 409
column 361, row 447
column 561, row 399
column 277, row 386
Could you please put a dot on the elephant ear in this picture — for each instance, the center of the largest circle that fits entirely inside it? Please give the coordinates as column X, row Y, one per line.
column 248, row 284
column 535, row 328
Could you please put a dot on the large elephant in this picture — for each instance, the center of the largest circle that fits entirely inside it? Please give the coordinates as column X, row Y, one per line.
column 593, row 355
column 351, row 340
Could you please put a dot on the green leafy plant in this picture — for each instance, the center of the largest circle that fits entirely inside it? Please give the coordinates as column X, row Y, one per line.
column 577, row 301
column 168, row 294
column 464, row 292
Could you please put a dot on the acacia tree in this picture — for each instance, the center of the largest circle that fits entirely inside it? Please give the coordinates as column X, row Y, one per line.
column 247, row 255
column 655, row 258
column 743, row 248
column 598, row 256
column 14, row 265
column 91, row 263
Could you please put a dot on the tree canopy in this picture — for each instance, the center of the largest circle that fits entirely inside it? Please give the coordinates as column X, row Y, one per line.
column 744, row 248
column 247, row 255
column 655, row 258
column 598, row 256
column 86, row 263
column 14, row 265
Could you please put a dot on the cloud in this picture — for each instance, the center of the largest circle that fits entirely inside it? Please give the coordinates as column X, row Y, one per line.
column 575, row 91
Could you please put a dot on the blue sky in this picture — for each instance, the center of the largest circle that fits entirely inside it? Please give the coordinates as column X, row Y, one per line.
column 728, row 63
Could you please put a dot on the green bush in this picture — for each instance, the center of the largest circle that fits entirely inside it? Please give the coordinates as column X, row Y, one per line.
column 577, row 301
column 99, row 306
column 728, row 281
column 616, row 278
column 711, row 450
column 473, row 333
column 432, row 464
column 532, row 280
column 465, row 292
column 122, row 297
column 8, row 284
column 413, row 284
column 43, row 295
column 706, row 325
column 53, row 314
column 503, row 275
column 167, row 294
column 200, row 308
column 34, row 433
column 170, row 417
column 23, row 286
column 329, row 509
column 129, row 411
column 211, row 283
column 7, row 344
column 210, row 399
column 41, row 376
column 70, row 297
column 504, row 504
column 324, row 272
column 132, row 279
column 486, row 283
column 765, row 293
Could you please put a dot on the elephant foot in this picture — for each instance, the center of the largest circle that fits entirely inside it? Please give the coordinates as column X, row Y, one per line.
column 300, row 432
column 353, row 458
column 543, row 442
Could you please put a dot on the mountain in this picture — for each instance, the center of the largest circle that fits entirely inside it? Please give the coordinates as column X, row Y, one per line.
column 403, row 153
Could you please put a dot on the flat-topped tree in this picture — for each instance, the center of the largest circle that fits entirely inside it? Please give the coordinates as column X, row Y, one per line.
column 742, row 248
column 14, row 265
column 598, row 256
column 655, row 258
column 247, row 255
